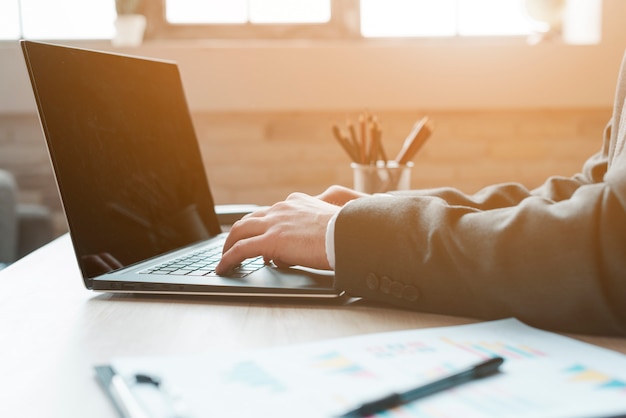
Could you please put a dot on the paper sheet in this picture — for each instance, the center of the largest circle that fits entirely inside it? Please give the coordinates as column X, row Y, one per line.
column 544, row 374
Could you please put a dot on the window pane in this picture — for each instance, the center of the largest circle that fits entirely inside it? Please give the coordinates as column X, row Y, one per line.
column 9, row 19
column 242, row 11
column 289, row 11
column 206, row 11
column 398, row 18
column 68, row 19
column 493, row 17
column 582, row 22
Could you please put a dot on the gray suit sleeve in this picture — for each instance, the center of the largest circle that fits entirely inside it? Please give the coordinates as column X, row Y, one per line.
column 553, row 257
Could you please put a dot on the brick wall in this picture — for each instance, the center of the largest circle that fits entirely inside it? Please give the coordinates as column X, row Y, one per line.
column 262, row 157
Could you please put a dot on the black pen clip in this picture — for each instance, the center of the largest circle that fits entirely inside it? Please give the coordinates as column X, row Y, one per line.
column 172, row 405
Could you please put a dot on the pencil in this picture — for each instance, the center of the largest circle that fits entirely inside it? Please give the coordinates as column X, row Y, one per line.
column 355, row 142
column 363, row 139
column 372, row 152
column 415, row 140
column 344, row 142
column 379, row 142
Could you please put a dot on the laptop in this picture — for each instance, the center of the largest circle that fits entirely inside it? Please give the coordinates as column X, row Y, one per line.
column 132, row 182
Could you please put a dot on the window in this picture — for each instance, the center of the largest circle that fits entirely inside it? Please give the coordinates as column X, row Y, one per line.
column 9, row 19
column 247, row 11
column 575, row 21
column 345, row 18
column 246, row 19
column 495, row 17
column 405, row 18
column 420, row 18
column 303, row 19
column 57, row 19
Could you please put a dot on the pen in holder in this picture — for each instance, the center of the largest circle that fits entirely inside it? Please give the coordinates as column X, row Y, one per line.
column 373, row 172
column 384, row 176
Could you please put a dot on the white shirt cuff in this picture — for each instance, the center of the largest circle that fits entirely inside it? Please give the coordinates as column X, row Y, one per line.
column 330, row 240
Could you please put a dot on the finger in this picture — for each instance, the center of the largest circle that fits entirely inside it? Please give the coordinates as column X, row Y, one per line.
column 281, row 265
column 241, row 250
column 256, row 214
column 339, row 195
column 297, row 195
column 330, row 191
column 244, row 228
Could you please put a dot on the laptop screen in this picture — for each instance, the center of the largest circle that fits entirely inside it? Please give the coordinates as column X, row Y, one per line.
column 124, row 152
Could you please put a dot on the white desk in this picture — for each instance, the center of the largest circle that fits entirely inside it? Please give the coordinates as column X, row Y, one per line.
column 53, row 331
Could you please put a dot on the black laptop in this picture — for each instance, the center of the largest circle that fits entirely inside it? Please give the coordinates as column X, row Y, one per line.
column 132, row 182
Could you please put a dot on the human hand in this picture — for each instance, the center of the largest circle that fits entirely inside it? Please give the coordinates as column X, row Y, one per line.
column 291, row 232
column 340, row 195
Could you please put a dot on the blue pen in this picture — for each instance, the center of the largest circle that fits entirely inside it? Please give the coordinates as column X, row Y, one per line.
column 483, row 369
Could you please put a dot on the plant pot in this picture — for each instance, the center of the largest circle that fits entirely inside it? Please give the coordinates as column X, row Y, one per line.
column 129, row 30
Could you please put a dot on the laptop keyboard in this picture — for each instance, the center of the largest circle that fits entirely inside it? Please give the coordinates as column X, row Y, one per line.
column 202, row 263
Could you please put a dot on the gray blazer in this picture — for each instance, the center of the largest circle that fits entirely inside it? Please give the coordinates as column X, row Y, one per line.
column 554, row 257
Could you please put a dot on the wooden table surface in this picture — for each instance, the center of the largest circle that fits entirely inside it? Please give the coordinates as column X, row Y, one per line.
column 53, row 331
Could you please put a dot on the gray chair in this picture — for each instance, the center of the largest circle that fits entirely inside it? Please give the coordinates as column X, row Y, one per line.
column 23, row 227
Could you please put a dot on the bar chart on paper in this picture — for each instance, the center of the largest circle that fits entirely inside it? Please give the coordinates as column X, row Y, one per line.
column 486, row 349
column 544, row 374
column 595, row 378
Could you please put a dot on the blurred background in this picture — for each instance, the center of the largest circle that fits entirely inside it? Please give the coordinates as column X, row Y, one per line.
column 517, row 90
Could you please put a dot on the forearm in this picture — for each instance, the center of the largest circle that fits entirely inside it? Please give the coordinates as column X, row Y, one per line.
column 556, row 188
column 550, row 264
column 491, row 197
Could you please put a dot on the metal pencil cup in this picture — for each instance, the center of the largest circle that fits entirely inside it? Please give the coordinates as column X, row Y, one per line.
column 382, row 176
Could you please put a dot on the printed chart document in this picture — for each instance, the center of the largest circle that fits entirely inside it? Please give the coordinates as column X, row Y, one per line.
column 544, row 375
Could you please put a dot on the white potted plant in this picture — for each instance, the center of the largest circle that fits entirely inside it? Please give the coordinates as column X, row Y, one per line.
column 130, row 24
